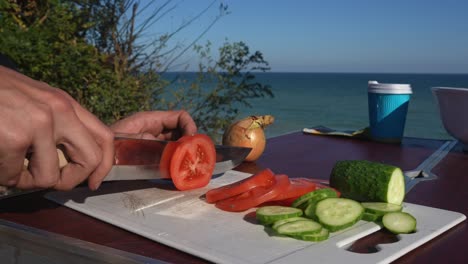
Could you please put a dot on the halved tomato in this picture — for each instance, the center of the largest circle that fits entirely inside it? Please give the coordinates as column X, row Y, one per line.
column 166, row 157
column 254, row 196
column 263, row 178
column 193, row 161
column 297, row 188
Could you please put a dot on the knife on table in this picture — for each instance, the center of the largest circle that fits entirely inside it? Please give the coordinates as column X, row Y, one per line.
column 423, row 171
column 139, row 159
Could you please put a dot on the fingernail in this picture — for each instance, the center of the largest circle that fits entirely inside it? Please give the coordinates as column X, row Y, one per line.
column 96, row 186
column 12, row 182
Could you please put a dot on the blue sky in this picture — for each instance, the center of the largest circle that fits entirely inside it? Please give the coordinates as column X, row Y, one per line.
column 397, row 36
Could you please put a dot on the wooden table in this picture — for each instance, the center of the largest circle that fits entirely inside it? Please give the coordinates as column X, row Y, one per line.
column 297, row 155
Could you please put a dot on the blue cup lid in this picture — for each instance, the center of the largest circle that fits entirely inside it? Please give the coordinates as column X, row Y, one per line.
column 389, row 88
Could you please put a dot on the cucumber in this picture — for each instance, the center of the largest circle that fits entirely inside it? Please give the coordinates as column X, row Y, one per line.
column 380, row 208
column 321, row 236
column 366, row 181
column 269, row 214
column 371, row 217
column 301, row 227
column 313, row 197
column 399, row 222
column 338, row 213
column 318, row 196
column 287, row 220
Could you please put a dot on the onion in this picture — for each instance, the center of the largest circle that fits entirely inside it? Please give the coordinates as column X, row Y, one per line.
column 249, row 132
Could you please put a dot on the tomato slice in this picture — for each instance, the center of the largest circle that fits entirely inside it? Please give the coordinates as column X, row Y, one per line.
column 193, row 161
column 297, row 187
column 255, row 196
column 263, row 178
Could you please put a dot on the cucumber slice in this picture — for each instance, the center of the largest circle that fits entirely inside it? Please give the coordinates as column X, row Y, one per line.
column 287, row 220
column 313, row 197
column 371, row 217
column 269, row 214
column 309, row 211
column 320, row 194
column 381, row 208
column 338, row 213
column 366, row 181
column 399, row 222
column 324, row 234
column 300, row 227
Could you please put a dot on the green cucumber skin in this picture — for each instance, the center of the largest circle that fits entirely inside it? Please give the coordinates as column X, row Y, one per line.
column 368, row 208
column 362, row 180
column 280, row 222
column 313, row 197
column 268, row 219
column 371, row 217
column 324, row 234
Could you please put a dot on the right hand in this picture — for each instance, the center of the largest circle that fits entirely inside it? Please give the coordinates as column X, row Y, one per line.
column 36, row 119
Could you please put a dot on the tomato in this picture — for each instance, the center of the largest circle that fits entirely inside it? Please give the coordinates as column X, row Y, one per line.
column 297, row 188
column 193, row 161
column 263, row 178
column 255, row 196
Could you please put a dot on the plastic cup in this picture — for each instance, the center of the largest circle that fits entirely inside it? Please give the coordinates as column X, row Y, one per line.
column 388, row 107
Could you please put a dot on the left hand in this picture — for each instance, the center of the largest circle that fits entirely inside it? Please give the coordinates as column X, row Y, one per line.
column 165, row 125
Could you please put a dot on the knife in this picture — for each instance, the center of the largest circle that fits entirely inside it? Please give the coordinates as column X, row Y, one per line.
column 138, row 159
column 423, row 171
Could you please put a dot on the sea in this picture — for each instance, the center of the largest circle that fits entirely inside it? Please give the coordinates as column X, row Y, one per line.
column 339, row 101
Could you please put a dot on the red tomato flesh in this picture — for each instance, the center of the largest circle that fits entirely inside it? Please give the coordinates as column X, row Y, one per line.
column 255, row 196
column 193, row 161
column 263, row 178
column 297, row 188
column 166, row 157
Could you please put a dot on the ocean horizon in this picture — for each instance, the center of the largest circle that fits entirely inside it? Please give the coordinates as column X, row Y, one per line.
column 339, row 100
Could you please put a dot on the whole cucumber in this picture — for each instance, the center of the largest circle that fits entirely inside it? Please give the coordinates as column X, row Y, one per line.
column 366, row 181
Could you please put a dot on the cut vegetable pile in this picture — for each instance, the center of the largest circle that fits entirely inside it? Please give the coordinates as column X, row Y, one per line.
column 306, row 210
column 262, row 187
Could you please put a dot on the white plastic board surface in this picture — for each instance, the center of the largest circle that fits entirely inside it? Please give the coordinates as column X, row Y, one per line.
column 183, row 220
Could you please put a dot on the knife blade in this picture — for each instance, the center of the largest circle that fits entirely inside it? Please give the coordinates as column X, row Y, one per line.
column 138, row 159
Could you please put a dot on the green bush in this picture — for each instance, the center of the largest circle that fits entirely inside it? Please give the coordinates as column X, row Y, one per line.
column 91, row 50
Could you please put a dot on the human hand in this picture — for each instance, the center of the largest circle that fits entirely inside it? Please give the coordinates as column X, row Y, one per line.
column 166, row 125
column 36, row 120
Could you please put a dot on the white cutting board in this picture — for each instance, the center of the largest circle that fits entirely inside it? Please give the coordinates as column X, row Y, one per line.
column 182, row 220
